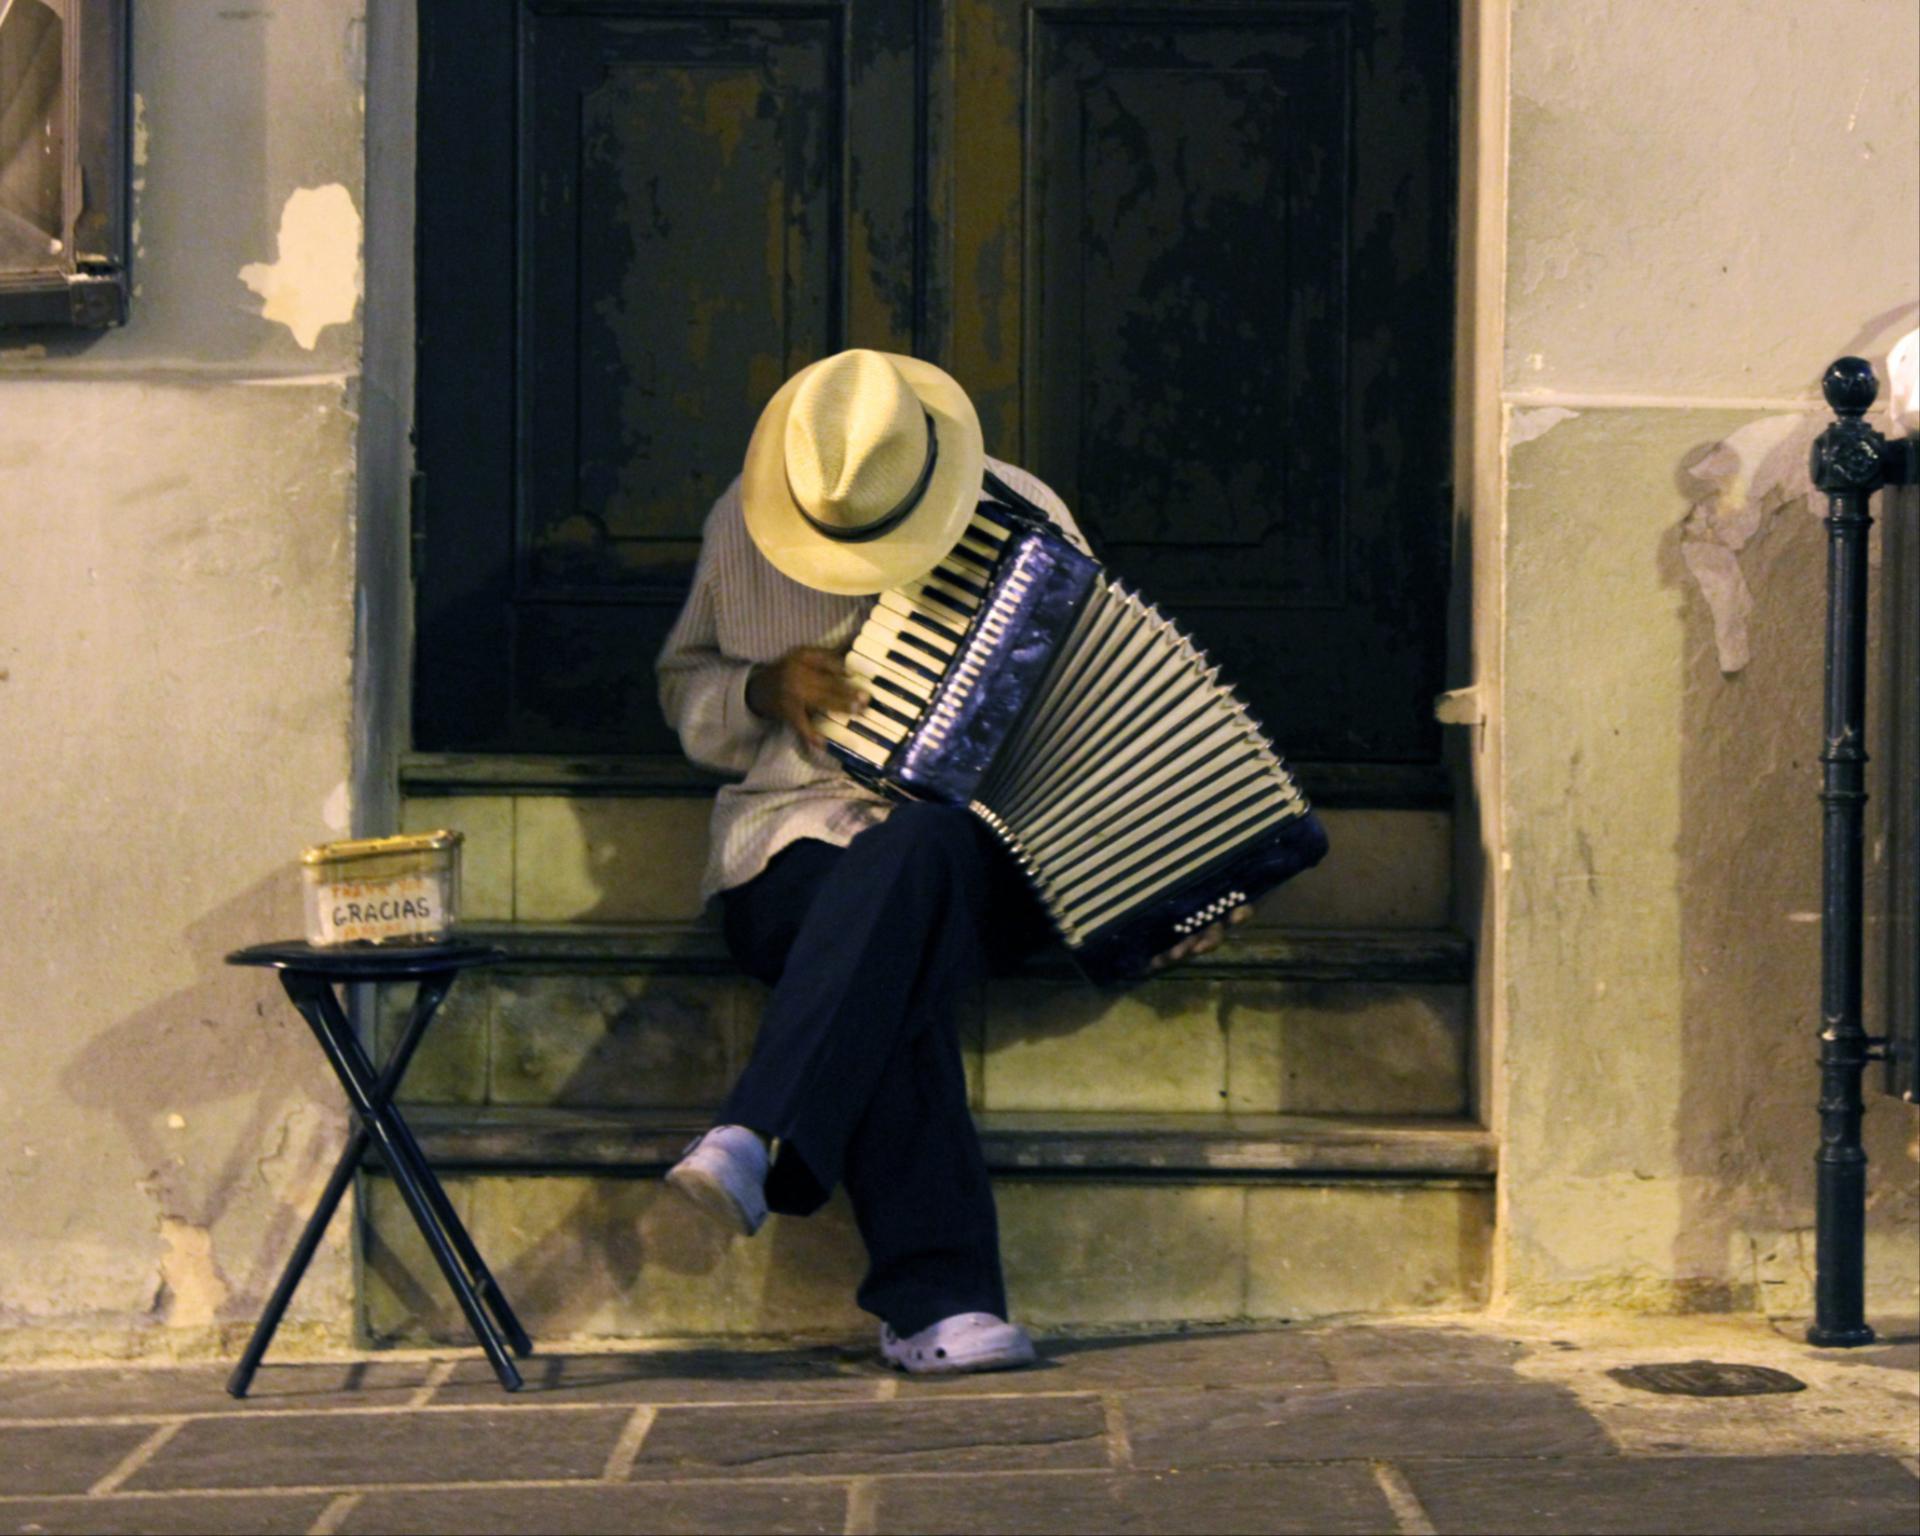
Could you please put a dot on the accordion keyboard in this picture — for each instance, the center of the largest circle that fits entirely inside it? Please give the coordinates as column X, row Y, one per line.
column 904, row 648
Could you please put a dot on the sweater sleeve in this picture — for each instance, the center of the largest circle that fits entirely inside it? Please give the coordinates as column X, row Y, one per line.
column 703, row 691
column 1044, row 497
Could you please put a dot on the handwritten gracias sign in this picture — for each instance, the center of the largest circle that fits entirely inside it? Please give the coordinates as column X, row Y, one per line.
column 368, row 911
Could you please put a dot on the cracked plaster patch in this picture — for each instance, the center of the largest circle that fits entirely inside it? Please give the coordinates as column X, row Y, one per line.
column 316, row 281
column 1525, row 426
column 192, row 1291
column 1744, row 479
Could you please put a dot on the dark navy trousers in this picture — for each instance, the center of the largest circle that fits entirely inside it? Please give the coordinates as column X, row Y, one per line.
column 870, row 950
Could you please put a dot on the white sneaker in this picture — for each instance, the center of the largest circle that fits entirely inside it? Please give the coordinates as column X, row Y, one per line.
column 967, row 1341
column 724, row 1172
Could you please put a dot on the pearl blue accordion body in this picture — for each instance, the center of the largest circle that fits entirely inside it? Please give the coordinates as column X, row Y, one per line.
column 1019, row 680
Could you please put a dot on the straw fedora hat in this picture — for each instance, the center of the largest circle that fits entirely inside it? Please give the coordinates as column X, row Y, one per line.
column 862, row 472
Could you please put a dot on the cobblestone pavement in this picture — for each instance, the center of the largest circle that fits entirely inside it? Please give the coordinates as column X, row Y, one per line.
column 1460, row 1425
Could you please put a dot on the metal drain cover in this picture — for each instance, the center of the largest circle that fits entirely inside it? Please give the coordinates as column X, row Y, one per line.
column 1706, row 1378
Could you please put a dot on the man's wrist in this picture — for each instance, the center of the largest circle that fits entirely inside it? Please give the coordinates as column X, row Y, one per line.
column 757, row 682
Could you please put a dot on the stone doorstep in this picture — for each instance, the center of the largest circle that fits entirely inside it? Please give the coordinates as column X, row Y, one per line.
column 653, row 1019
column 1365, row 955
column 605, row 1255
column 1331, row 785
column 552, row 857
column 488, row 1139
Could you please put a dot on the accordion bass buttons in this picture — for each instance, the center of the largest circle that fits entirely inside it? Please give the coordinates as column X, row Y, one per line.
column 1211, row 913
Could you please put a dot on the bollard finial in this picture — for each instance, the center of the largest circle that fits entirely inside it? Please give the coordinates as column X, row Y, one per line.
column 1850, row 386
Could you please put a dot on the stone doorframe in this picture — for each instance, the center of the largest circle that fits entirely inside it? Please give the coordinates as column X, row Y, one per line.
column 1477, row 610
column 383, row 628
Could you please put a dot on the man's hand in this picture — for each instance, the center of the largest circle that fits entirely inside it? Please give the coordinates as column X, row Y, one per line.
column 1199, row 943
column 803, row 683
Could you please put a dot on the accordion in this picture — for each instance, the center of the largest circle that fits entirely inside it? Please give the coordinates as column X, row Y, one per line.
column 1136, row 792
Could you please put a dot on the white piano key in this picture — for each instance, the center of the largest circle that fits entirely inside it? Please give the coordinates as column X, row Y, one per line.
column 883, row 648
column 880, row 672
column 932, row 589
column 964, row 562
column 901, row 626
column 945, row 592
column 982, row 552
column 913, row 608
column 840, row 735
column 871, row 719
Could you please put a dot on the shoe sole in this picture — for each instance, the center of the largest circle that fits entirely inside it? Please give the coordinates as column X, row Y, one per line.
column 708, row 1195
column 956, row 1367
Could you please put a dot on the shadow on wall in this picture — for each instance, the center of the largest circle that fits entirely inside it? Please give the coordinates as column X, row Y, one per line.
column 227, row 1108
column 1750, row 885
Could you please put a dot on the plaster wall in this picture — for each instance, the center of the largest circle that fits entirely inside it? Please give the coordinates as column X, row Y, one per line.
column 176, row 633
column 1707, row 201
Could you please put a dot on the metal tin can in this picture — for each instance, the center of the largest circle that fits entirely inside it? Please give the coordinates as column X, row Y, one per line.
column 383, row 890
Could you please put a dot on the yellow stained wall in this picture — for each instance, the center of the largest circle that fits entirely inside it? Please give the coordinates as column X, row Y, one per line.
column 1707, row 201
column 176, row 630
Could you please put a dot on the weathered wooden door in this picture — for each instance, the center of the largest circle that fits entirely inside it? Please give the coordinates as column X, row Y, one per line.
column 1194, row 263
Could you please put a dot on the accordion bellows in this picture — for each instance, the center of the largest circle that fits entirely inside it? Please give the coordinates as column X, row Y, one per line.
column 1095, row 739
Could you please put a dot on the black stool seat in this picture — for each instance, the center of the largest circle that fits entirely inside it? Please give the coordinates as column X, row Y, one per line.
column 309, row 976
column 370, row 962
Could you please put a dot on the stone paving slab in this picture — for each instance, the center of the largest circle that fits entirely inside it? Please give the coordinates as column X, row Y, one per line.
column 1001, row 1434
column 670, row 1376
column 130, row 1392
column 1233, row 1501
column 1403, row 1357
column 253, row 1514
column 64, row 1459
column 349, row 1449
column 664, row 1508
column 1228, row 1358
column 1895, row 1350
column 1189, row 1429
column 1852, row 1405
column 1671, row 1496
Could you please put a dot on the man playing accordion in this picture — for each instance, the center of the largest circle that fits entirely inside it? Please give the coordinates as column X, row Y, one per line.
column 867, row 918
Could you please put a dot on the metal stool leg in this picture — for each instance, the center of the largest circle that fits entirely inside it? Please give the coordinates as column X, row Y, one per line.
column 432, row 991
column 483, row 1281
column 303, row 1251
column 317, row 1004
column 427, row 999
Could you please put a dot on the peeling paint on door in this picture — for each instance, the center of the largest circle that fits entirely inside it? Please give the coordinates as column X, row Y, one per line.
column 316, row 281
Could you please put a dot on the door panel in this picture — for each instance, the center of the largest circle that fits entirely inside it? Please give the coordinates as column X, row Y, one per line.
column 1187, row 250
column 1229, row 248
column 679, row 198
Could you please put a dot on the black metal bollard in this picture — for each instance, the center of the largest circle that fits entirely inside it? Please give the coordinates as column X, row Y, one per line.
column 1850, row 463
